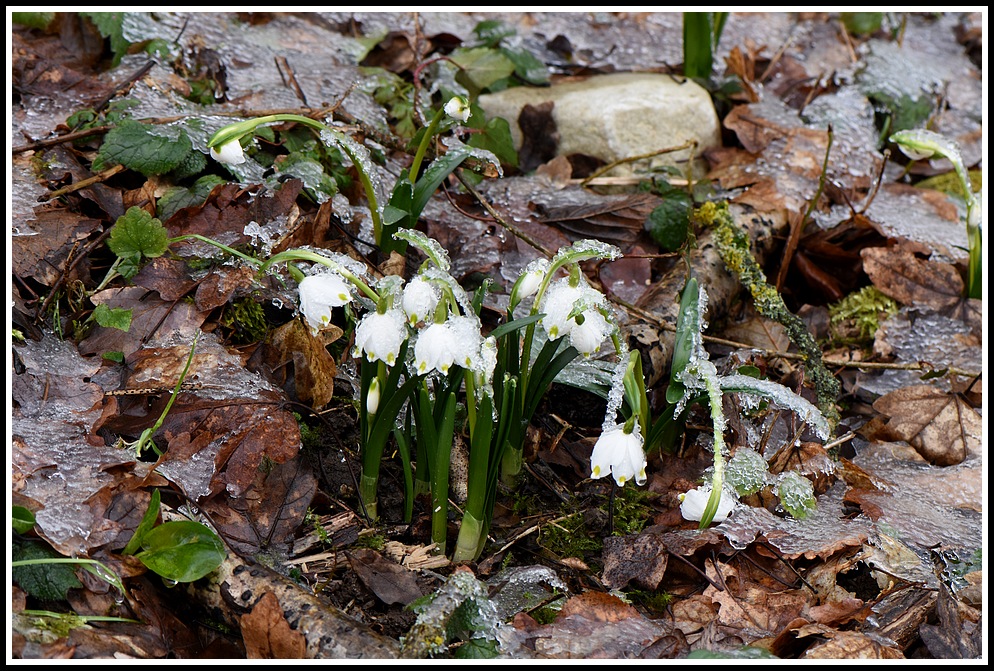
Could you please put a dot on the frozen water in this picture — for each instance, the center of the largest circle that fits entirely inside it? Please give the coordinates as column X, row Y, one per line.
column 747, row 471
column 782, row 397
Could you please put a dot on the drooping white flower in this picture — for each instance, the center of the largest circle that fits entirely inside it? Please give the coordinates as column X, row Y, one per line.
column 695, row 501
column 380, row 335
column 620, row 454
column 531, row 278
column 420, row 299
column 229, row 153
column 435, row 349
column 458, row 108
column 468, row 340
column 557, row 306
column 588, row 336
column 320, row 293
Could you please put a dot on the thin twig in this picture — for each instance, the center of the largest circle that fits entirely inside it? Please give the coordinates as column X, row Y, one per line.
column 631, row 159
column 83, row 183
column 499, row 219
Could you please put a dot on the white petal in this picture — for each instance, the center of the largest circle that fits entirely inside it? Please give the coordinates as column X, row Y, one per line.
column 588, row 336
column 319, row 294
column 696, row 500
column 420, row 299
column 380, row 336
column 229, row 153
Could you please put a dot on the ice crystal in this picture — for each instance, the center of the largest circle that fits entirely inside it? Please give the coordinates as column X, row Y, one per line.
column 782, row 397
column 746, row 471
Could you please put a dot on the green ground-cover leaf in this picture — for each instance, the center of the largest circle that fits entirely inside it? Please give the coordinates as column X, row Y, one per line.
column 143, row 148
column 50, row 582
column 183, row 550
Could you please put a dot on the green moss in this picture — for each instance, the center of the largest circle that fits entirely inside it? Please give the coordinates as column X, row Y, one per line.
column 371, row 540
column 631, row 510
column 656, row 602
column 247, row 321
column 568, row 537
column 855, row 319
column 733, row 246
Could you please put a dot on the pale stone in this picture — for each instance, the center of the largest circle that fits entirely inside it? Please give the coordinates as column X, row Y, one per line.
column 618, row 116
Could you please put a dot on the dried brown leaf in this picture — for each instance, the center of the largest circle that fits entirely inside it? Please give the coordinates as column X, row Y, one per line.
column 267, row 634
column 941, row 426
column 45, row 244
column 390, row 582
column 314, row 368
column 598, row 607
column 908, row 279
column 641, row 558
column 849, row 645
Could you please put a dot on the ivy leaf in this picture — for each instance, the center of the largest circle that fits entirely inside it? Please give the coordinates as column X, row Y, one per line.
column 669, row 223
column 138, row 234
column 492, row 31
column 143, row 148
column 182, row 551
column 117, row 318
column 50, row 582
column 527, row 66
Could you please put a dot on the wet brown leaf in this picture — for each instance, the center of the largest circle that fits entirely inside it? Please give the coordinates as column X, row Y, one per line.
column 641, row 558
column 390, row 582
column 941, row 426
column 751, row 606
column 43, row 249
column 911, row 280
column 598, row 607
column 268, row 635
column 954, row 637
column 847, row 645
column 619, row 220
column 314, row 368
column 269, row 512
column 166, row 275
column 218, row 286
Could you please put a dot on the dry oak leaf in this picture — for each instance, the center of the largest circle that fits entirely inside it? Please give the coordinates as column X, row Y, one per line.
column 314, row 368
column 267, row 634
column 389, row 581
column 911, row 280
column 942, row 427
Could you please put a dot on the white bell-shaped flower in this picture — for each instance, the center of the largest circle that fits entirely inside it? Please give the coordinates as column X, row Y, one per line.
column 319, row 294
column 557, row 306
column 468, row 340
column 695, row 501
column 588, row 336
column 458, row 108
column 435, row 349
column 380, row 335
column 229, row 153
column 620, row 454
column 531, row 279
column 420, row 299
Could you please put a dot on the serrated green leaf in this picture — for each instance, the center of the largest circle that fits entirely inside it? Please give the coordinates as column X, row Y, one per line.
column 477, row 648
column 50, row 582
column 111, row 26
column 481, row 67
column 116, row 318
column 797, row 494
column 142, row 148
column 178, row 197
column 22, row 520
column 138, row 234
column 183, row 551
column 193, row 163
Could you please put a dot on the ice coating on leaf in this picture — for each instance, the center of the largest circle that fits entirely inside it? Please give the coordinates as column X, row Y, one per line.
column 356, row 152
column 460, row 607
column 264, row 237
column 357, row 268
column 462, row 298
column 782, row 397
column 746, row 471
column 431, row 247
column 797, row 494
column 520, row 588
column 586, row 249
column 390, row 286
column 476, row 152
column 920, row 143
column 616, row 394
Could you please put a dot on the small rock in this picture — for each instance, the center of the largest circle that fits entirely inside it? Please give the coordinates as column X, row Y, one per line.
column 620, row 115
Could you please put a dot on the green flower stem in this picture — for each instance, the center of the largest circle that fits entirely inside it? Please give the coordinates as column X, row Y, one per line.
column 718, row 422
column 307, row 255
column 367, row 489
column 468, row 543
column 147, row 434
column 423, row 147
column 975, row 279
column 233, row 252
column 236, row 131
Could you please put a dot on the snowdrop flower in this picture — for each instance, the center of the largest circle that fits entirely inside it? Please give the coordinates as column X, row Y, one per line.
column 620, row 454
column 695, row 501
column 588, row 336
column 530, row 279
column 229, row 153
column 458, row 108
column 468, row 339
column 380, row 335
column 435, row 349
column 557, row 306
column 319, row 294
column 420, row 299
